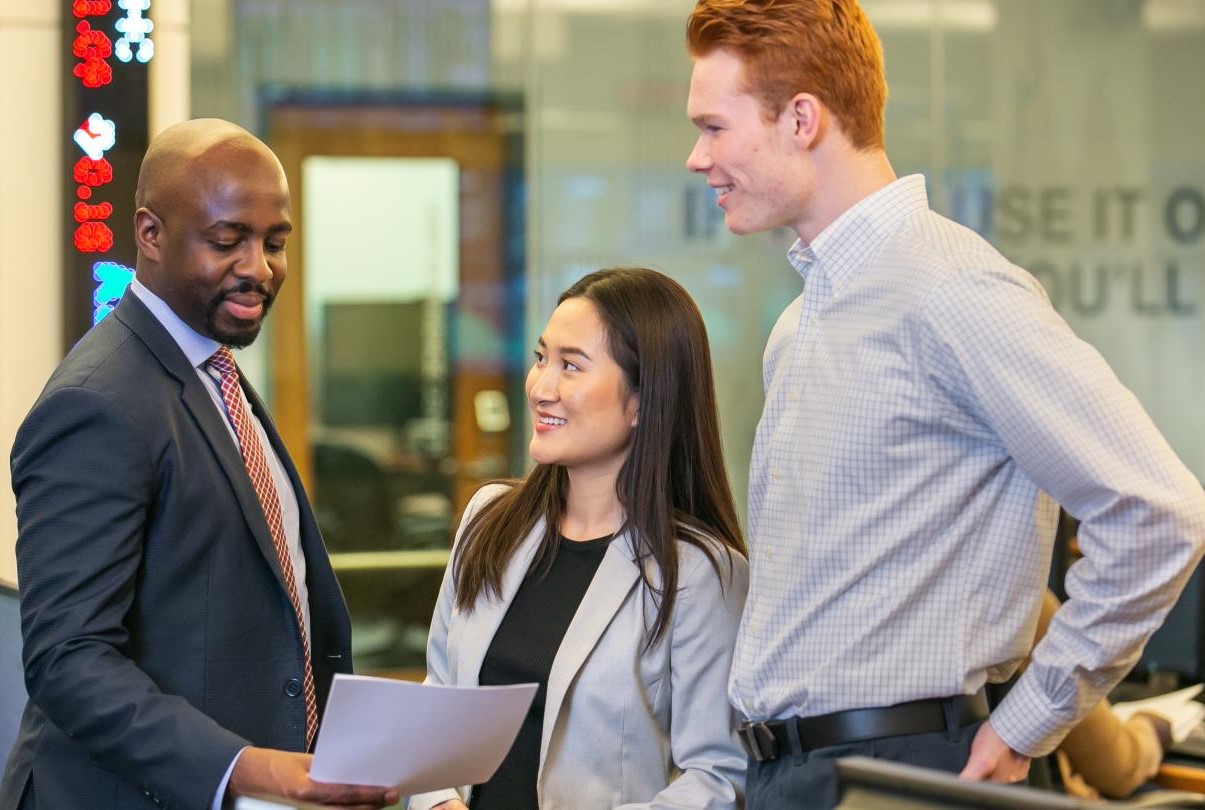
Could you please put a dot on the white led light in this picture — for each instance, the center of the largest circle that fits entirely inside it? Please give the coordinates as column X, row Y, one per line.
column 134, row 29
column 96, row 136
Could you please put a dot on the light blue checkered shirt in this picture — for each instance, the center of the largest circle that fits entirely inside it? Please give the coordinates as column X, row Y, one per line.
column 921, row 395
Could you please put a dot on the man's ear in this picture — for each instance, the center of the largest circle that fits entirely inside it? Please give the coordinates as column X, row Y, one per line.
column 148, row 234
column 805, row 115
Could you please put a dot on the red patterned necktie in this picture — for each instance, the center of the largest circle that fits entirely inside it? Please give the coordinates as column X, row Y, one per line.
column 222, row 362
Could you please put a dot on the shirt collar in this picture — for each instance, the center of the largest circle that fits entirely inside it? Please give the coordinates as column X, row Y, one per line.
column 851, row 239
column 196, row 347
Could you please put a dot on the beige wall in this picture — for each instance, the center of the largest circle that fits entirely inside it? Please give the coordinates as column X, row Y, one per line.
column 31, row 203
column 30, row 225
column 169, row 85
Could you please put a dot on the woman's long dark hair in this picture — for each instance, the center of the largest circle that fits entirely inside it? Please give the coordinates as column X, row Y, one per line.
column 672, row 486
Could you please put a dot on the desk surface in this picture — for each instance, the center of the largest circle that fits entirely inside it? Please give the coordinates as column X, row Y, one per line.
column 1181, row 775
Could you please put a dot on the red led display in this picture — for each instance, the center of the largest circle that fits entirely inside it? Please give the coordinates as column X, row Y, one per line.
column 93, row 237
column 84, row 212
column 91, row 8
column 91, row 44
column 93, row 73
column 95, row 48
column 89, row 172
column 105, row 50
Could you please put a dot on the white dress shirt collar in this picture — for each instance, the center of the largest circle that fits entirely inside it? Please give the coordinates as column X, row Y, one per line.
column 848, row 242
column 196, row 347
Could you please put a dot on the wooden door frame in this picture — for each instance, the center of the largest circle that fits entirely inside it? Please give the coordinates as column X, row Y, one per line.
column 455, row 118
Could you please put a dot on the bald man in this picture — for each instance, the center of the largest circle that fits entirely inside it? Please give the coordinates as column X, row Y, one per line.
column 181, row 619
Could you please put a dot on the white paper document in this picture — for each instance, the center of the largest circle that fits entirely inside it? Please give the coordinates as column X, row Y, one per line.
column 1178, row 708
column 378, row 731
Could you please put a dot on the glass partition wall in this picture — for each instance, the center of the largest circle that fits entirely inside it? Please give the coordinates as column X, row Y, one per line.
column 1066, row 131
column 412, row 311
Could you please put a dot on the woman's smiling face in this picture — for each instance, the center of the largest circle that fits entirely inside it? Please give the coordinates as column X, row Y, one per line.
column 582, row 410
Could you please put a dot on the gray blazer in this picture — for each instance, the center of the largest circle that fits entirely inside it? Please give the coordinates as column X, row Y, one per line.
column 608, row 738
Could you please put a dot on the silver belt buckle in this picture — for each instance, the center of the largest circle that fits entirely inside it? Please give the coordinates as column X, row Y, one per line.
column 759, row 741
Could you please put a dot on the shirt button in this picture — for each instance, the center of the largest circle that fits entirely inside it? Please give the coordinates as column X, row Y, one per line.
column 293, row 687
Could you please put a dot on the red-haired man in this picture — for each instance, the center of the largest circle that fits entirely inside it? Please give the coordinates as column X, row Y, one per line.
column 921, row 396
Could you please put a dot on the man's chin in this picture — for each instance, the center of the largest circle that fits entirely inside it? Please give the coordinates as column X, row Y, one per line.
column 230, row 330
column 739, row 228
column 235, row 336
column 736, row 225
column 745, row 227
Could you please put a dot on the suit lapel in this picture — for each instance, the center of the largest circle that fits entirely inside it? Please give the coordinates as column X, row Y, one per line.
column 616, row 576
column 487, row 614
column 330, row 630
column 196, row 400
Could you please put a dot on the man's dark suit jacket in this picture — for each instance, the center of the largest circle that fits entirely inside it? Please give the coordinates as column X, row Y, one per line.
column 159, row 639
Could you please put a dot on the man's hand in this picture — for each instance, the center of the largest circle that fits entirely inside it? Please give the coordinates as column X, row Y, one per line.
column 992, row 760
column 287, row 775
column 1162, row 726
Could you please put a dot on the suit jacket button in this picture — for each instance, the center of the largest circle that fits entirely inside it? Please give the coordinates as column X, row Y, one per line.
column 293, row 687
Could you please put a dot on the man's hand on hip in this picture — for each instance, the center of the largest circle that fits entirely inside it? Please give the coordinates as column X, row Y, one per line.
column 287, row 775
column 992, row 760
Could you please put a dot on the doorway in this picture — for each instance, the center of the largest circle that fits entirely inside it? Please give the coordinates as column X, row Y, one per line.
column 397, row 350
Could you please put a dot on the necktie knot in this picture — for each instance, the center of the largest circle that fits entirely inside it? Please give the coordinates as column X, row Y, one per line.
column 222, row 361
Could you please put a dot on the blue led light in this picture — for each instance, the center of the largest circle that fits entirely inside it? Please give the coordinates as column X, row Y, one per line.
column 112, row 278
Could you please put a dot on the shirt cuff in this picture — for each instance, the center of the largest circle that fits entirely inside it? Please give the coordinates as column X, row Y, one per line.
column 1028, row 722
column 221, row 794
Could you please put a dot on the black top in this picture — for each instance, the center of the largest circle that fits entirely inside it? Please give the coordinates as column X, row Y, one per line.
column 522, row 652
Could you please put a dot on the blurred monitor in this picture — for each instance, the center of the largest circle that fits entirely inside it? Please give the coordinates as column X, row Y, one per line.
column 1179, row 645
column 373, row 363
column 874, row 784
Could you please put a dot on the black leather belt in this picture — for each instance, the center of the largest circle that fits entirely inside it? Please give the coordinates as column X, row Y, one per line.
column 768, row 741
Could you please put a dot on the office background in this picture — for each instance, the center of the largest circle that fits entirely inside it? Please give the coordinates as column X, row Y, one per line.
column 457, row 163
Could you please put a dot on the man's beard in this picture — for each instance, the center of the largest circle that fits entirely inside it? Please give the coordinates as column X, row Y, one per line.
column 243, row 337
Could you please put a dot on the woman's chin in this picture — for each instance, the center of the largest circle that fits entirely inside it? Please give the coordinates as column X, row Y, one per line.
column 540, row 454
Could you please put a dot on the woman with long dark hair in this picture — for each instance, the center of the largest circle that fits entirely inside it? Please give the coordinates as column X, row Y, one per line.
column 613, row 574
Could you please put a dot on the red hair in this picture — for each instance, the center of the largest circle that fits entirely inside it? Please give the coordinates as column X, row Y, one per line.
column 823, row 47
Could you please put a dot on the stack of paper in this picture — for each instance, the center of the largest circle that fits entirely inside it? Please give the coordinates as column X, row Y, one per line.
column 1178, row 708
